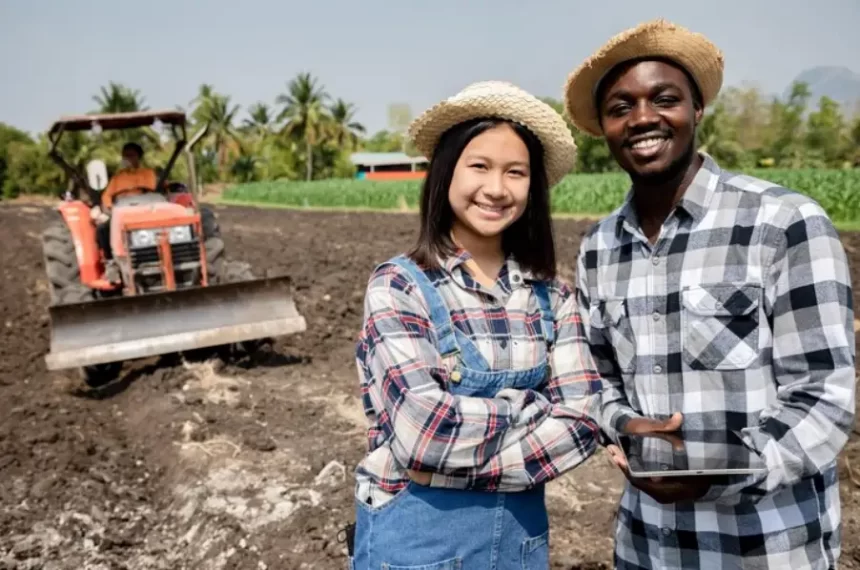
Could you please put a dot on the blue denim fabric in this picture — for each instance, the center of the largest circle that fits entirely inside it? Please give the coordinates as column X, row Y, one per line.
column 428, row 528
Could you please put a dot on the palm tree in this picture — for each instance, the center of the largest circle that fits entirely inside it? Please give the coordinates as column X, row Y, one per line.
column 305, row 114
column 260, row 120
column 202, row 102
column 344, row 129
column 244, row 168
column 117, row 98
column 216, row 110
column 258, row 129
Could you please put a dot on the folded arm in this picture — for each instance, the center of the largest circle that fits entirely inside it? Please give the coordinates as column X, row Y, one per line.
column 430, row 429
column 563, row 435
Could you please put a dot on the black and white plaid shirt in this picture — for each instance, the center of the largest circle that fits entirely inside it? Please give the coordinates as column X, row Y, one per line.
column 739, row 316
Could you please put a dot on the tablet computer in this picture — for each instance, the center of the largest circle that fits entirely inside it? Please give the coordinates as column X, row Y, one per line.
column 676, row 455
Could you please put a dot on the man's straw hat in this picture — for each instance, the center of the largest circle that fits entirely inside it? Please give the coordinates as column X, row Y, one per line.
column 500, row 99
column 656, row 38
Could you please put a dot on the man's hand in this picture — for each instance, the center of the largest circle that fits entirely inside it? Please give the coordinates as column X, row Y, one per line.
column 664, row 490
column 649, row 426
column 98, row 215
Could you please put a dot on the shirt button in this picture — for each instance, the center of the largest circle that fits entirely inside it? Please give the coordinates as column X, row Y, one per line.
column 515, row 278
column 656, row 316
column 655, row 260
column 658, row 369
column 667, row 531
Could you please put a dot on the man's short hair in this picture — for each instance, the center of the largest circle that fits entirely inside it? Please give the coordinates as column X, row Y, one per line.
column 133, row 146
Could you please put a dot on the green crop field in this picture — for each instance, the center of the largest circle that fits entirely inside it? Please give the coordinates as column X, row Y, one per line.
column 838, row 191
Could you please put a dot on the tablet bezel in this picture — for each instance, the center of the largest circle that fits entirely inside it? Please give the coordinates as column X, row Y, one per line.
column 685, row 472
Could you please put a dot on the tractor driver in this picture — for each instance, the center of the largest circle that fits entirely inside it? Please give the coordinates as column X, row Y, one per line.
column 131, row 178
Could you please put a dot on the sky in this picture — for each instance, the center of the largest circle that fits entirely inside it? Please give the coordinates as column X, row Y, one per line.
column 56, row 54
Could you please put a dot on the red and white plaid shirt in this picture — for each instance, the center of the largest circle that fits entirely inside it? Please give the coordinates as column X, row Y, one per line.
column 417, row 424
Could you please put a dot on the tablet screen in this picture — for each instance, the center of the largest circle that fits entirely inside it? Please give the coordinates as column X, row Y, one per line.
column 680, row 451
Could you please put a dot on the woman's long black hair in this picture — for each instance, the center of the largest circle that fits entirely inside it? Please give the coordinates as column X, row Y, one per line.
column 529, row 240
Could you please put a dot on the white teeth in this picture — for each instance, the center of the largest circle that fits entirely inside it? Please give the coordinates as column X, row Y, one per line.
column 647, row 143
column 493, row 209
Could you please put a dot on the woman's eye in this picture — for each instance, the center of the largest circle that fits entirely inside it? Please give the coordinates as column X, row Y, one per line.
column 479, row 166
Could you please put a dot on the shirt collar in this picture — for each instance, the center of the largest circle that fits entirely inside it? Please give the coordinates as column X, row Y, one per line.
column 695, row 200
column 511, row 274
column 698, row 196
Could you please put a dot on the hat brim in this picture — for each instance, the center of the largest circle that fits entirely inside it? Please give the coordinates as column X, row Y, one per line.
column 541, row 119
column 659, row 39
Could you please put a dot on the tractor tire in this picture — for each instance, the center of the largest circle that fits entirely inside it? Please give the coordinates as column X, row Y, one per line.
column 64, row 278
column 98, row 374
column 212, row 243
column 61, row 262
column 236, row 272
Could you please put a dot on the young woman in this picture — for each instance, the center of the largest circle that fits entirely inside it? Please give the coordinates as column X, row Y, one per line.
column 474, row 369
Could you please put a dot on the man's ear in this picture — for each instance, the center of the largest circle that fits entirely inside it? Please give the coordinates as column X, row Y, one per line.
column 698, row 113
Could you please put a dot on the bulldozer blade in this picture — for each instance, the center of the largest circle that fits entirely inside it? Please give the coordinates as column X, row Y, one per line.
column 125, row 328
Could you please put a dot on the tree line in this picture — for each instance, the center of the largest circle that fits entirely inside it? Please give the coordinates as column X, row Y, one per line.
column 308, row 134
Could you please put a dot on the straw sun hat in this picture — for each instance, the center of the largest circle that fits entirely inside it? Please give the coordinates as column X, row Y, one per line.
column 500, row 99
column 660, row 38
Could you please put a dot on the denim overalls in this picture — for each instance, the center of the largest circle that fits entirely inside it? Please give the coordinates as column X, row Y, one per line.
column 428, row 528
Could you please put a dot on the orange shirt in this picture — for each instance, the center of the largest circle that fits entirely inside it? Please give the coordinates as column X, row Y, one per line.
column 128, row 178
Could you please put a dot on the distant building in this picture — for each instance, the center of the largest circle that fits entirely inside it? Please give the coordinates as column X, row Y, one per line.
column 388, row 166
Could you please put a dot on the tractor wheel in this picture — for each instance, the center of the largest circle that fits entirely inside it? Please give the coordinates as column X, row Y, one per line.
column 212, row 243
column 97, row 374
column 61, row 262
column 235, row 272
column 64, row 277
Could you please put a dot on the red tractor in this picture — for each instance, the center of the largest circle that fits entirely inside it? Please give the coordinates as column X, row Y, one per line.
column 171, row 289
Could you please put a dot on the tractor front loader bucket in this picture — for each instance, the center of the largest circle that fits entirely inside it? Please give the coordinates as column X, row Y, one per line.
column 125, row 328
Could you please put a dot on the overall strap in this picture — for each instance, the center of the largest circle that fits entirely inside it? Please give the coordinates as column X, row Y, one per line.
column 547, row 318
column 439, row 315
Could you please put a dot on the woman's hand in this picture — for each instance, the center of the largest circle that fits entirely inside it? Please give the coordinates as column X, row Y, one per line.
column 420, row 477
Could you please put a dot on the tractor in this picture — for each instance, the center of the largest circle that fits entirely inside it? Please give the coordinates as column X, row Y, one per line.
column 171, row 289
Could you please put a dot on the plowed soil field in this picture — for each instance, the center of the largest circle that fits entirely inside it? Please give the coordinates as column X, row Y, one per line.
column 233, row 465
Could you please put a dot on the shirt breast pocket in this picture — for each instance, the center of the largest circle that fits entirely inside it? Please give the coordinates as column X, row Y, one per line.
column 720, row 325
column 620, row 331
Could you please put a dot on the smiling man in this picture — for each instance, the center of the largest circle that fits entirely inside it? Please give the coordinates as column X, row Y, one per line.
column 715, row 303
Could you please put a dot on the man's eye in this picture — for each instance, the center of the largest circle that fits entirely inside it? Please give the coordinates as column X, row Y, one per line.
column 617, row 110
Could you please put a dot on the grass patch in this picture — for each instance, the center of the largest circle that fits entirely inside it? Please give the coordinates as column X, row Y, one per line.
column 838, row 191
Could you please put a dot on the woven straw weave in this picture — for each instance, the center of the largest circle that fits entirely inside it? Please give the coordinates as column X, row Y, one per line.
column 657, row 38
column 501, row 100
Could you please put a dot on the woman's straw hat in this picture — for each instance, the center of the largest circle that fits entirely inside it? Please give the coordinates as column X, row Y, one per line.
column 500, row 99
column 657, row 38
